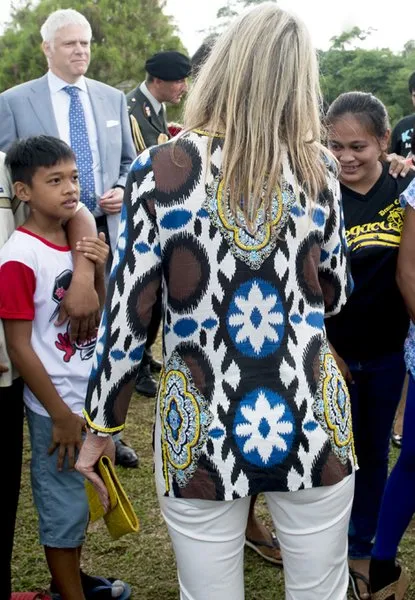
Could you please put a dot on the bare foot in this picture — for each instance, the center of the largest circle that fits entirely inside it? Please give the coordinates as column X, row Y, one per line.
column 361, row 567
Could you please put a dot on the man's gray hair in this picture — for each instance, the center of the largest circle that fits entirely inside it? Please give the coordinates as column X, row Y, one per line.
column 62, row 18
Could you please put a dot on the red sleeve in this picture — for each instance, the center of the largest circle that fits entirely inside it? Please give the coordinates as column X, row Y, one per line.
column 17, row 290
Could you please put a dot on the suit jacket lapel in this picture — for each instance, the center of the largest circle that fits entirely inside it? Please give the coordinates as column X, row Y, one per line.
column 98, row 108
column 158, row 121
column 150, row 114
column 41, row 102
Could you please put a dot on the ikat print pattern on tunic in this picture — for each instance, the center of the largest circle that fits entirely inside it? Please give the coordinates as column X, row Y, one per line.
column 250, row 399
column 408, row 199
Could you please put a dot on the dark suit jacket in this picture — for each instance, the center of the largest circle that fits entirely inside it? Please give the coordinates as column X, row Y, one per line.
column 151, row 124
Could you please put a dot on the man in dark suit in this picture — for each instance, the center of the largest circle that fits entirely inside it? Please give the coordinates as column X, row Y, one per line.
column 166, row 74
column 89, row 115
column 165, row 82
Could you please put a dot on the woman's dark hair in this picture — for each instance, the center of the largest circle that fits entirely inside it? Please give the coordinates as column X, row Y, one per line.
column 202, row 53
column 366, row 108
column 28, row 155
column 411, row 83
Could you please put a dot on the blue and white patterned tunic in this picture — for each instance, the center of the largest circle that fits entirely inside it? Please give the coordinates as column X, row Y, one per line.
column 250, row 397
column 408, row 199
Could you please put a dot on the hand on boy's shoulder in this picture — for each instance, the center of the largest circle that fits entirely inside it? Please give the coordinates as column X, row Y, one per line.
column 81, row 302
column 96, row 250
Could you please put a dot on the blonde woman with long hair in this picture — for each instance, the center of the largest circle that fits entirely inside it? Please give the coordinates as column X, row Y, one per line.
column 239, row 221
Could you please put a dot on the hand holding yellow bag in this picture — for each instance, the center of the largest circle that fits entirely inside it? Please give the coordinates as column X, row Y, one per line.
column 120, row 518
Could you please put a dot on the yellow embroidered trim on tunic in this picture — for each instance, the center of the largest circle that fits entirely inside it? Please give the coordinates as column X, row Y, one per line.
column 99, row 428
column 208, row 133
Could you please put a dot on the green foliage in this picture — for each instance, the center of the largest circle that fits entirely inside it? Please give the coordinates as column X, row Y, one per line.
column 381, row 72
column 124, row 35
column 347, row 37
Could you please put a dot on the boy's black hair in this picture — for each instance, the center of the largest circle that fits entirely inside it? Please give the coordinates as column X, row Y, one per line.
column 27, row 155
column 411, row 83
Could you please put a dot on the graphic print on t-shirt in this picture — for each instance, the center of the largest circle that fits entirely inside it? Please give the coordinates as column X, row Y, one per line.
column 61, row 286
column 63, row 343
column 406, row 137
column 383, row 232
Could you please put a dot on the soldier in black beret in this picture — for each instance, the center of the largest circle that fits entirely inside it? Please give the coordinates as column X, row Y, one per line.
column 166, row 74
column 165, row 82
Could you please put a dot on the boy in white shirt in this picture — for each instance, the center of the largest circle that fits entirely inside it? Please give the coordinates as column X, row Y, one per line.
column 35, row 273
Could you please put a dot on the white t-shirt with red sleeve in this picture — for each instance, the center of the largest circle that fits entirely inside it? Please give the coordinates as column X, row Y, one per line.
column 34, row 276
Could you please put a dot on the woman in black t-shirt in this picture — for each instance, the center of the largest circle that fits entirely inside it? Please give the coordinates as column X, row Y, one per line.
column 370, row 331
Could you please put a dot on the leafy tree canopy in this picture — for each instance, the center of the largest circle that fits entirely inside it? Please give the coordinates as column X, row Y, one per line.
column 345, row 67
column 124, row 34
column 381, row 72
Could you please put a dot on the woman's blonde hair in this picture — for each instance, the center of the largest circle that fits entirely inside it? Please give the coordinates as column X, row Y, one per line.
column 260, row 87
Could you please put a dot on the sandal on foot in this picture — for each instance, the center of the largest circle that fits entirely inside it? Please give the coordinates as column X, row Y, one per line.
column 396, row 589
column 259, row 545
column 108, row 589
column 354, row 577
column 105, row 589
column 396, row 440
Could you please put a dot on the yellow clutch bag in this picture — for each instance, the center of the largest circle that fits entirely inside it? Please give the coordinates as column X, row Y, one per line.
column 120, row 518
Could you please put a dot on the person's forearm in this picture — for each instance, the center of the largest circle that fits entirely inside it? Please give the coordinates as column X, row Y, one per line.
column 405, row 278
column 34, row 375
column 82, row 224
column 80, row 303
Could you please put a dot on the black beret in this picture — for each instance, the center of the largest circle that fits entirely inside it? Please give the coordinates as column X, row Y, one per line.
column 169, row 66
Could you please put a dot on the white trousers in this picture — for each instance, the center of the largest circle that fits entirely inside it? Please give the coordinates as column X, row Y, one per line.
column 208, row 539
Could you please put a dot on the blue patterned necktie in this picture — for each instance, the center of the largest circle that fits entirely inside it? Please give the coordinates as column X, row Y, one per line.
column 80, row 145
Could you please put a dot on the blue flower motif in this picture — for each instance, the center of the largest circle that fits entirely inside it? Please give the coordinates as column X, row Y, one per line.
column 296, row 318
column 315, row 319
column 319, row 217
column 142, row 247
column 117, row 354
column 176, row 219
column 256, row 319
column 297, row 210
column 122, row 242
column 185, row 327
column 217, row 433
column 209, row 323
column 137, row 353
column 100, row 345
column 264, row 428
column 310, row 426
column 141, row 162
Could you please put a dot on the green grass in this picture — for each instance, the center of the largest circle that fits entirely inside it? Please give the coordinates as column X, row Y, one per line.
column 144, row 560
